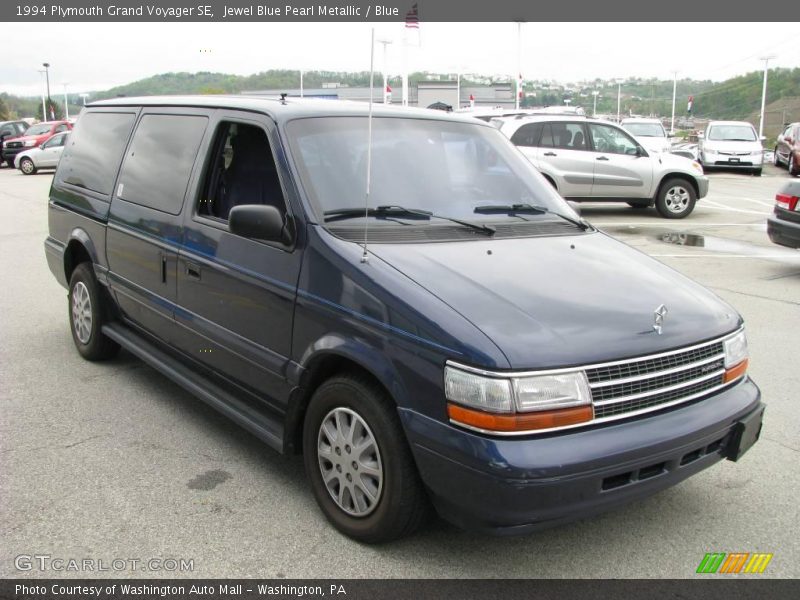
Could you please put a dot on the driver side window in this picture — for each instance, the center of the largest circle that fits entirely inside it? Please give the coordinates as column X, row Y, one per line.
column 611, row 140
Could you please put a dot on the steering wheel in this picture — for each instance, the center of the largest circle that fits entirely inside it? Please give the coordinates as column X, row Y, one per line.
column 601, row 145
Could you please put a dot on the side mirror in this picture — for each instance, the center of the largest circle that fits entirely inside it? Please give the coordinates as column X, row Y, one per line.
column 575, row 206
column 763, row 138
column 640, row 151
column 701, row 135
column 259, row 222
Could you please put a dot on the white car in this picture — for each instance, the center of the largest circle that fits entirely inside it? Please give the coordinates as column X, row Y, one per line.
column 46, row 156
column 590, row 160
column 732, row 145
column 649, row 132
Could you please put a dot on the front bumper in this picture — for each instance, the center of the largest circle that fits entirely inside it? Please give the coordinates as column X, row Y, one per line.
column 504, row 485
column 784, row 233
column 753, row 161
column 9, row 154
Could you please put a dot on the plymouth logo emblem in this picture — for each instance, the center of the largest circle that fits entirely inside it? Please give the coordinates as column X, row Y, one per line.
column 658, row 316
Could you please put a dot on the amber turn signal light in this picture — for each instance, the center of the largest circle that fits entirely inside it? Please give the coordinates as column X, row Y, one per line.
column 736, row 371
column 521, row 421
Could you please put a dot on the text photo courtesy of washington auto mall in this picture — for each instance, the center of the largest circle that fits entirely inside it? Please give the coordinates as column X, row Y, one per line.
column 408, row 298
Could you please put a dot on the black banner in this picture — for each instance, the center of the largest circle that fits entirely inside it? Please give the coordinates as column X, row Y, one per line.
column 713, row 588
column 395, row 10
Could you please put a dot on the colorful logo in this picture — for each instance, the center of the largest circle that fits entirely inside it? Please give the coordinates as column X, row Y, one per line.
column 734, row 562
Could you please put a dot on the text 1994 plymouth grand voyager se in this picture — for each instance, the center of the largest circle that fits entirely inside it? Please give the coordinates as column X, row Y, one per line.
column 486, row 352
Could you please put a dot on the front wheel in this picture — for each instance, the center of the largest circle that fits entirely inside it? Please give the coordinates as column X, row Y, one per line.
column 775, row 158
column 27, row 167
column 87, row 313
column 676, row 199
column 356, row 456
column 793, row 168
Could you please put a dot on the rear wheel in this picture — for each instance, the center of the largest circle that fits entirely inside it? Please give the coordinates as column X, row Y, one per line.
column 676, row 199
column 793, row 169
column 87, row 313
column 26, row 166
column 775, row 159
column 360, row 467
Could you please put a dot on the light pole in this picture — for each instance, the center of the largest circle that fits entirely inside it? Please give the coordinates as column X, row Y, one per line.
column 766, row 60
column 44, row 108
column 595, row 93
column 519, row 63
column 619, row 99
column 674, row 92
column 385, row 43
column 47, row 77
column 84, row 96
column 66, row 101
column 301, row 83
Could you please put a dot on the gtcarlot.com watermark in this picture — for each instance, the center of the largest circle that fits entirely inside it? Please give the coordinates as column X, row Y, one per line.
column 58, row 564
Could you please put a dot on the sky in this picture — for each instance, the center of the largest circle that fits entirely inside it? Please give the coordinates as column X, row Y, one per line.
column 96, row 56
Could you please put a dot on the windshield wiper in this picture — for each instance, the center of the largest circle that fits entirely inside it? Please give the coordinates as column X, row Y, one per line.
column 393, row 210
column 529, row 208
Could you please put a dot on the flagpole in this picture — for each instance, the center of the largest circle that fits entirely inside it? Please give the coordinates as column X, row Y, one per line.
column 405, row 68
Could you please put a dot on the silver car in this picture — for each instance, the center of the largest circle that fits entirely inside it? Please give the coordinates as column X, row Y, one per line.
column 732, row 145
column 587, row 159
column 46, row 156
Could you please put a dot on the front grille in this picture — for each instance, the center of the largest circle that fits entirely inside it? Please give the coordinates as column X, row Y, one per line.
column 13, row 144
column 648, row 382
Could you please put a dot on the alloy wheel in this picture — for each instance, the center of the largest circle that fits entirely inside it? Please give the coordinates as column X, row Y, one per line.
column 81, row 312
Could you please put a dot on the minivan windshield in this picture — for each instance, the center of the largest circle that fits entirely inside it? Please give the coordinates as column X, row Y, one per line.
column 645, row 129
column 732, row 133
column 447, row 168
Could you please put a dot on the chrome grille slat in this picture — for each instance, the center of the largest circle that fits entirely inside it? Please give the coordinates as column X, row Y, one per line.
column 645, row 383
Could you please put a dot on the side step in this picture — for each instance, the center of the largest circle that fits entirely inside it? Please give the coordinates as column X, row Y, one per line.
column 261, row 425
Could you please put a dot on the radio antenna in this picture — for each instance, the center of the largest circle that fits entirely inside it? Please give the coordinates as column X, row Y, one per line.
column 365, row 256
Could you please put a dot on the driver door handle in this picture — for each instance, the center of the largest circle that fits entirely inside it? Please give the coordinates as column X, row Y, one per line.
column 602, row 158
column 550, row 154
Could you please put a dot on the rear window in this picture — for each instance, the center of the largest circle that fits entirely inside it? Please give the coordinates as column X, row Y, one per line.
column 159, row 162
column 527, row 135
column 94, row 150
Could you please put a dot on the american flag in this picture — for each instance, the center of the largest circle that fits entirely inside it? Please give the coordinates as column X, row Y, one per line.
column 412, row 17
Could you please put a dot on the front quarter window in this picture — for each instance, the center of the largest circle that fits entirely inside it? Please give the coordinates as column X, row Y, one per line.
column 607, row 138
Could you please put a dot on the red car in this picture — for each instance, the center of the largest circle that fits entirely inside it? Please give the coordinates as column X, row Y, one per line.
column 32, row 138
column 787, row 149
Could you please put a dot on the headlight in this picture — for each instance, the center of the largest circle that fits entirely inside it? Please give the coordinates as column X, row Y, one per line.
column 757, row 152
column 29, row 143
column 736, row 356
column 697, row 166
column 517, row 404
column 709, row 150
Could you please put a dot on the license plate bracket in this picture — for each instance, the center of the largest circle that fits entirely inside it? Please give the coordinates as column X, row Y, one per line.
column 734, row 160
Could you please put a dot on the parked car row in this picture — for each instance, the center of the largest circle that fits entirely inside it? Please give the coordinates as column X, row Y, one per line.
column 588, row 159
column 16, row 139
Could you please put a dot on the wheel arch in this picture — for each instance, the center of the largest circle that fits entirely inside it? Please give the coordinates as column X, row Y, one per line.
column 80, row 248
column 677, row 175
column 331, row 356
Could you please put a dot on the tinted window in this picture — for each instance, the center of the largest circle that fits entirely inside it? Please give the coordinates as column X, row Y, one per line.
column 159, row 161
column 94, row 150
column 62, row 127
column 569, row 136
column 527, row 135
column 610, row 139
column 7, row 130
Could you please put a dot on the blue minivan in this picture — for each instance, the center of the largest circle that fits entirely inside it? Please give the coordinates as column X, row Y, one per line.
column 448, row 335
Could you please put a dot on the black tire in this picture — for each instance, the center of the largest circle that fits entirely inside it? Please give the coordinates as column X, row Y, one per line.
column 676, row 198
column 89, row 340
column 775, row 158
column 793, row 167
column 756, row 172
column 27, row 167
column 400, row 503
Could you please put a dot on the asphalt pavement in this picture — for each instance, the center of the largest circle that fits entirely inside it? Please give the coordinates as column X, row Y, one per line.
column 113, row 461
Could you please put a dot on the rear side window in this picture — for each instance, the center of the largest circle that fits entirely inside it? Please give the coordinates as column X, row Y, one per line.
column 527, row 135
column 159, row 161
column 569, row 136
column 94, row 150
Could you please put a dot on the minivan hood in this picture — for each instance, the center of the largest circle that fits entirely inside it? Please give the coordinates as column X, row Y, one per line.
column 562, row 301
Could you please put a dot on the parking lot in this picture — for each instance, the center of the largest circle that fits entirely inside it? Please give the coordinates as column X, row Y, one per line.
column 114, row 461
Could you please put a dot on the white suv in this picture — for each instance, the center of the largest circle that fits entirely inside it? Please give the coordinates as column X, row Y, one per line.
column 732, row 145
column 650, row 133
column 587, row 159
